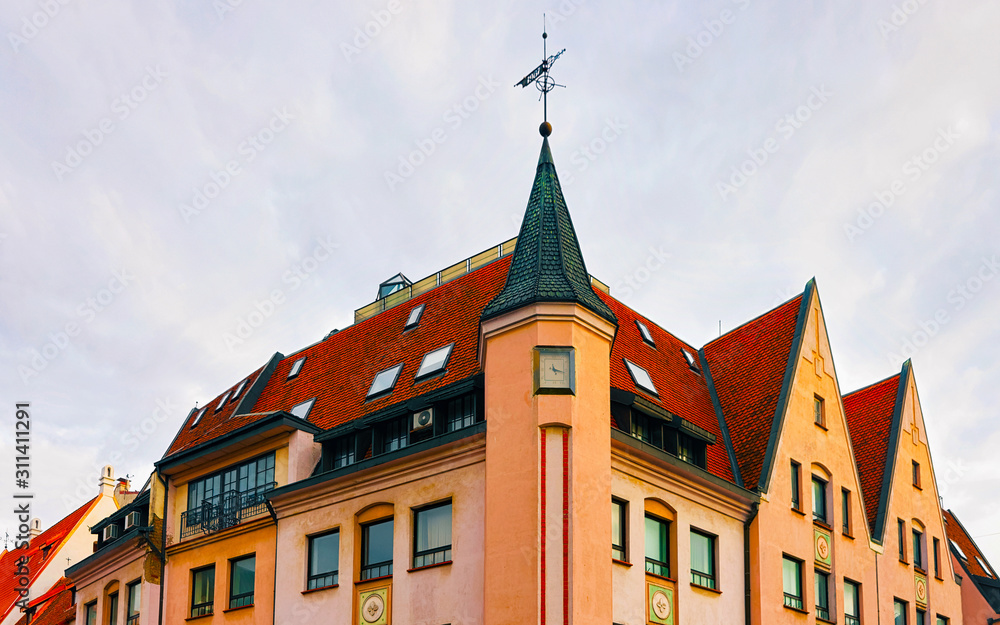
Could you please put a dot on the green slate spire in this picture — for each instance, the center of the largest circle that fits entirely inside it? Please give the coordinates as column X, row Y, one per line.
column 547, row 264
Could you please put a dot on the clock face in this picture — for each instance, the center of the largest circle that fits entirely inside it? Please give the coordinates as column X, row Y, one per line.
column 554, row 370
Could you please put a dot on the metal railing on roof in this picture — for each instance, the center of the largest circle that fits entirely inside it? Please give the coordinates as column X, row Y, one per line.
column 225, row 510
column 445, row 275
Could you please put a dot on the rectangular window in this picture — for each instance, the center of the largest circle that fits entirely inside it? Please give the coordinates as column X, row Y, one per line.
column 791, row 576
column 394, row 434
column 324, row 560
column 376, row 549
column 819, row 411
column 224, row 494
column 942, row 620
column 90, row 611
column 921, row 617
column 432, row 535
column 819, row 499
column 822, row 595
column 901, row 538
column 845, row 509
column 918, row 551
column 345, row 451
column 202, row 591
column 657, row 546
column 241, row 581
column 937, row 558
column 462, row 412
column 703, row 559
column 916, row 474
column 899, row 612
column 796, row 486
column 113, row 609
column 132, row 608
column 852, row 603
column 691, row 450
column 618, row 525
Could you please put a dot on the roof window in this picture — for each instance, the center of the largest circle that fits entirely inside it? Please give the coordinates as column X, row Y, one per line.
column 691, row 360
column 302, row 410
column 644, row 331
column 296, row 367
column 641, row 377
column 414, row 318
column 201, row 414
column 955, row 546
column 384, row 381
column 239, row 389
column 222, row 402
column 434, row 361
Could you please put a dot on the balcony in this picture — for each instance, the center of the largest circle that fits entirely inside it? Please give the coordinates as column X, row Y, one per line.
column 225, row 510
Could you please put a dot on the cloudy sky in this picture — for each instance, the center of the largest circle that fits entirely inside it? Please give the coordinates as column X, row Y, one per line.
column 170, row 170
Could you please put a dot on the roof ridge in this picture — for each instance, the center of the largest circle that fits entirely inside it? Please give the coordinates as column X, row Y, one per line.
column 869, row 386
column 760, row 316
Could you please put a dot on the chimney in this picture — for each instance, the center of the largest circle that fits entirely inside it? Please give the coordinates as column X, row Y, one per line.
column 107, row 481
column 123, row 496
column 35, row 528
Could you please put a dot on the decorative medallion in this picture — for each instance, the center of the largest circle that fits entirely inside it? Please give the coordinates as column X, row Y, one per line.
column 822, row 540
column 661, row 604
column 921, row 588
column 373, row 606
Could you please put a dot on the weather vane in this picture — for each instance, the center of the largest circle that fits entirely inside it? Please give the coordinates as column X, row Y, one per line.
column 543, row 82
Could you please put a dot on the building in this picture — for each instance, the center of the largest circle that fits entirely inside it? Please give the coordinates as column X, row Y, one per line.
column 505, row 442
column 980, row 583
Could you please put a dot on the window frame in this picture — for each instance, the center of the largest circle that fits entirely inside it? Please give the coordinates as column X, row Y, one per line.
column 917, row 481
column 822, row 611
column 373, row 394
column 413, row 318
column 366, row 568
column 819, row 411
column 296, row 368
column 824, row 486
column 444, row 550
column 792, row 601
column 646, row 335
column 112, row 608
column 937, row 557
column 901, row 538
column 90, row 610
column 905, row 613
column 795, row 479
column 918, row 548
column 318, row 577
column 208, row 607
column 133, row 589
column 660, row 568
column 634, row 371
column 236, row 599
column 855, row 618
column 845, row 504
column 422, row 375
column 619, row 549
column 921, row 617
column 705, row 579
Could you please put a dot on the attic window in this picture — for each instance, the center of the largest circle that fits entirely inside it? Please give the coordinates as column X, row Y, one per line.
column 691, row 360
column 222, row 402
column 239, row 389
column 644, row 331
column 296, row 367
column 434, row 361
column 384, row 381
column 986, row 569
column 414, row 318
column 302, row 410
column 955, row 546
column 198, row 418
column 641, row 378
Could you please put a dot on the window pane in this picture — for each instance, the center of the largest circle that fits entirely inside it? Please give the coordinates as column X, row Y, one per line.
column 378, row 543
column 701, row 554
column 656, row 539
column 921, row 617
column 899, row 610
column 203, row 592
column 133, row 599
column 241, row 582
column 92, row 614
column 324, row 554
column 617, row 531
column 795, row 486
column 819, row 499
column 918, row 553
column 791, row 578
column 851, row 599
column 822, row 595
column 113, row 609
column 433, row 528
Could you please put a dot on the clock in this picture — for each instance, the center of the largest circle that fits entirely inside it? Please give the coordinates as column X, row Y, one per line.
column 554, row 370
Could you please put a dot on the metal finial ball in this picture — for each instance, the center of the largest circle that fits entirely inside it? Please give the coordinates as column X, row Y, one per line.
column 545, row 129
column 545, row 35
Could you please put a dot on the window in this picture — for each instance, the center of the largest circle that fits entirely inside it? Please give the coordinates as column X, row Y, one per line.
column 942, row 620
column 702, row 559
column 822, row 595
column 619, row 523
column 955, row 546
column 224, row 498
column 296, row 368
column 202, row 591
column 198, row 418
column 222, row 402
column 376, row 549
column 791, row 576
column 900, row 537
column 241, row 581
column 918, row 551
column 344, row 450
column 113, row 609
column 819, row 411
column 916, row 474
column 302, row 410
column 845, row 507
column 986, row 569
column 937, row 558
column 415, row 313
column 644, row 331
column 921, row 617
column 393, row 434
column 899, row 612
column 90, row 613
column 324, row 560
column 691, row 360
column 819, row 499
column 384, row 381
column 852, row 603
column 796, row 487
column 239, row 389
column 657, row 546
column 134, row 598
column 462, row 412
column 691, row 450
column 434, row 361
column 641, row 378
column 432, row 535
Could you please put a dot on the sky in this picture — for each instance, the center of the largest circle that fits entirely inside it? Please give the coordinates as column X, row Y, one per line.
column 187, row 187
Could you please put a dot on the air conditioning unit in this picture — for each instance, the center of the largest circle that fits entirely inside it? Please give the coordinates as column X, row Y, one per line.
column 422, row 419
column 110, row 532
column 132, row 519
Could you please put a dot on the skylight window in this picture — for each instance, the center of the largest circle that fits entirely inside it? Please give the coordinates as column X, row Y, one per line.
column 644, row 331
column 691, row 360
column 986, row 569
column 958, row 549
column 384, row 381
column 434, row 361
column 414, row 317
column 296, row 367
column 239, row 389
column 641, row 378
column 201, row 414
column 302, row 410
column 222, row 402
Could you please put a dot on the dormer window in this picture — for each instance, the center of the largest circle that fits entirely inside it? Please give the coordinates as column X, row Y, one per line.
column 644, row 331
column 201, row 414
column 239, row 389
column 384, row 381
column 222, row 402
column 955, row 546
column 296, row 367
column 434, row 361
column 302, row 410
column 641, row 377
column 414, row 318
column 691, row 360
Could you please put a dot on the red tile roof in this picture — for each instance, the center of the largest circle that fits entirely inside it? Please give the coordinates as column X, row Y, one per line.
column 55, row 607
column 213, row 424
column 869, row 413
column 53, row 537
column 747, row 366
column 682, row 391
column 956, row 532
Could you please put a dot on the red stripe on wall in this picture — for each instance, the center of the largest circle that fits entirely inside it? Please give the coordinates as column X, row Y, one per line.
column 565, row 470
column 543, row 528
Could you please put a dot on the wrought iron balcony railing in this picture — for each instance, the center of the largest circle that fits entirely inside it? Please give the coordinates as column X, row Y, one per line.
column 225, row 510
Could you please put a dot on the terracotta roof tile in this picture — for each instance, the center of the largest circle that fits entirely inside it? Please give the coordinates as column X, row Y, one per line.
column 56, row 608
column 956, row 532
